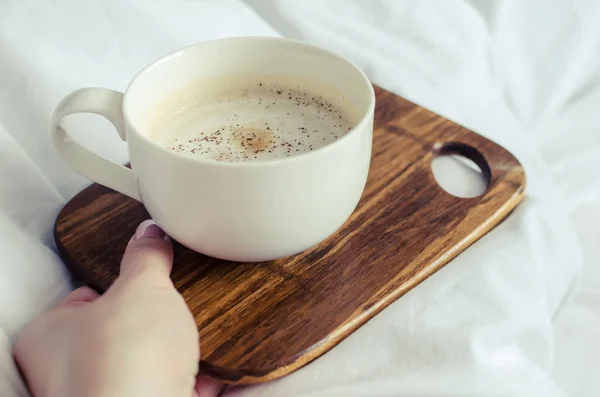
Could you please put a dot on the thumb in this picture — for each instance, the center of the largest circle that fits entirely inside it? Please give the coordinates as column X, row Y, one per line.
column 148, row 253
column 79, row 297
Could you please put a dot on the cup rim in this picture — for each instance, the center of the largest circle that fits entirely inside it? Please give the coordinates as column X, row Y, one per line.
column 360, row 125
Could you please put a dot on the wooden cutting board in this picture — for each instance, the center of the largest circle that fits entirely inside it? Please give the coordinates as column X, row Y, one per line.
column 260, row 321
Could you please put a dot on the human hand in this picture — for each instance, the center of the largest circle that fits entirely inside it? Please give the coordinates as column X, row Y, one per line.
column 138, row 339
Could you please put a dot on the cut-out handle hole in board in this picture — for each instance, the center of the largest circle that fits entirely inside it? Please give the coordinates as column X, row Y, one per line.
column 461, row 170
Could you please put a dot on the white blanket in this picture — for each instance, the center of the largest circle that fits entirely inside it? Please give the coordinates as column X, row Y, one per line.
column 517, row 314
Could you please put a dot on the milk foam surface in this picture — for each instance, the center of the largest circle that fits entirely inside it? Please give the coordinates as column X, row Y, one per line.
column 250, row 118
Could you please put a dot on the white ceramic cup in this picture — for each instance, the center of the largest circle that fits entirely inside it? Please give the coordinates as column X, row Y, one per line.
column 244, row 211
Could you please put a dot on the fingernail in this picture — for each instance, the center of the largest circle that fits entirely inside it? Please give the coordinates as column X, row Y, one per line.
column 149, row 229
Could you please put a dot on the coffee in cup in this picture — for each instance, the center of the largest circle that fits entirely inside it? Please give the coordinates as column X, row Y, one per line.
column 250, row 118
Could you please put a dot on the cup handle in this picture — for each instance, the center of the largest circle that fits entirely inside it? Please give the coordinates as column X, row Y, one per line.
column 106, row 103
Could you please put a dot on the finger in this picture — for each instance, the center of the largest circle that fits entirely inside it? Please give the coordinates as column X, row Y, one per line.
column 149, row 252
column 79, row 296
column 207, row 387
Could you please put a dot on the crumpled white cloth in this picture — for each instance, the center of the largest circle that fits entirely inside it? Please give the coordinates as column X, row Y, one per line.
column 517, row 314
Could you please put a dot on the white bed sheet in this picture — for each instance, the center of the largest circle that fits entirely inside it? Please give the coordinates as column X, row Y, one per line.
column 516, row 314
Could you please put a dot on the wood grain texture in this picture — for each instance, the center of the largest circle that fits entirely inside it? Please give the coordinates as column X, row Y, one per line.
column 260, row 321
